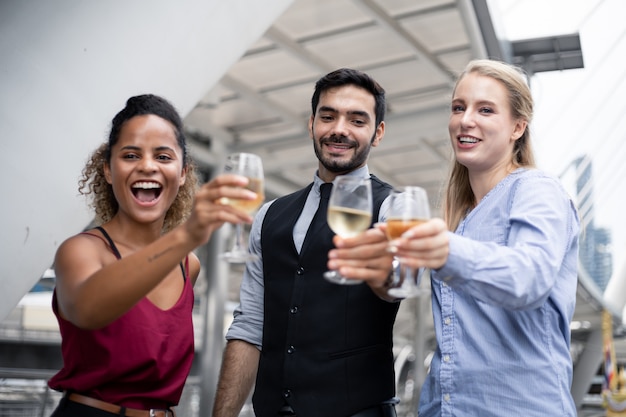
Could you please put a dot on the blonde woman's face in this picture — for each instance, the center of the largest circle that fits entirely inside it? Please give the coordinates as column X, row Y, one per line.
column 482, row 129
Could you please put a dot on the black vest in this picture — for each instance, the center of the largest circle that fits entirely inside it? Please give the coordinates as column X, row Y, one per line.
column 327, row 348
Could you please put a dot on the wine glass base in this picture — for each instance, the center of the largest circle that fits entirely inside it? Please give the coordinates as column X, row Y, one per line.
column 238, row 257
column 404, row 292
column 336, row 278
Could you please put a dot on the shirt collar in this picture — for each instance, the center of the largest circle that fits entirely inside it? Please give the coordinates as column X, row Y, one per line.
column 363, row 172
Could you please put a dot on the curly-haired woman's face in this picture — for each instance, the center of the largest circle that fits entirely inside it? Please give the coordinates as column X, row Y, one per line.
column 146, row 168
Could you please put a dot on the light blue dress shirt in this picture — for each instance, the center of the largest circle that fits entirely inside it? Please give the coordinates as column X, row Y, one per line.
column 247, row 323
column 502, row 305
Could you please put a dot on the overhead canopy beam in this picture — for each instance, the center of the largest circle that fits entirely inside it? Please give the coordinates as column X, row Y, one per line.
column 551, row 53
column 420, row 51
column 495, row 47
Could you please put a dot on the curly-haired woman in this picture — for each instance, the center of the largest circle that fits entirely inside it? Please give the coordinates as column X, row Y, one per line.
column 124, row 289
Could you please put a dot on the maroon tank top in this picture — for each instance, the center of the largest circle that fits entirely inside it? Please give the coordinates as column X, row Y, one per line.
column 141, row 360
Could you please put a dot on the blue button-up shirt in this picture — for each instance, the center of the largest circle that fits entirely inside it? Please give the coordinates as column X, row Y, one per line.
column 502, row 305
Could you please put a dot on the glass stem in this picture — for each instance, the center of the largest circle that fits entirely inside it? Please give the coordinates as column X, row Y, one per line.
column 238, row 244
column 409, row 278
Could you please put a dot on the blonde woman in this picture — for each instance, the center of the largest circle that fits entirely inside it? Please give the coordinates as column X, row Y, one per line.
column 504, row 262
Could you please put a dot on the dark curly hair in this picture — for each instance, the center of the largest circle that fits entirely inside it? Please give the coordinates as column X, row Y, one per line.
column 93, row 183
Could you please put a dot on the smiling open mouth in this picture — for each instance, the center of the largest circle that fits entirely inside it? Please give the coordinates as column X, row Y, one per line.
column 334, row 145
column 465, row 139
column 338, row 143
column 146, row 191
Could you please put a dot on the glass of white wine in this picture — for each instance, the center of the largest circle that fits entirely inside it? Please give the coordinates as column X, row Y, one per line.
column 250, row 166
column 408, row 208
column 349, row 213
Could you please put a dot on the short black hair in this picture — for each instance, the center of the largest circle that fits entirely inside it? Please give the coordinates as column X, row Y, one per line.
column 349, row 76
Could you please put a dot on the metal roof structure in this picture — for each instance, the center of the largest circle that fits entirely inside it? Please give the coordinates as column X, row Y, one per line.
column 412, row 48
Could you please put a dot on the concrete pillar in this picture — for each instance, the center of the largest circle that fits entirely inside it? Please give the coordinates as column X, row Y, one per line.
column 615, row 292
column 210, row 357
column 587, row 366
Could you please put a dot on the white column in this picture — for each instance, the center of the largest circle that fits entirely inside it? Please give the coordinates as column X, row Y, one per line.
column 66, row 68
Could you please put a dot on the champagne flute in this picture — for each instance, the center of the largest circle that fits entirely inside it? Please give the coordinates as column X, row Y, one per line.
column 408, row 208
column 250, row 166
column 349, row 213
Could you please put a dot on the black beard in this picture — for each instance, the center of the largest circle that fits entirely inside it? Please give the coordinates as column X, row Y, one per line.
column 358, row 160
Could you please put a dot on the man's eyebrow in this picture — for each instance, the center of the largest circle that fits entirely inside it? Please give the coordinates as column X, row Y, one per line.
column 361, row 113
column 330, row 109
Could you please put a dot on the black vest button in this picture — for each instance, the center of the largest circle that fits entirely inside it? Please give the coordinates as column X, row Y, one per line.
column 287, row 393
column 291, row 349
column 293, row 310
column 300, row 271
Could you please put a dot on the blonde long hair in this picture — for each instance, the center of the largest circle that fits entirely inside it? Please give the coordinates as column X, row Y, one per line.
column 459, row 197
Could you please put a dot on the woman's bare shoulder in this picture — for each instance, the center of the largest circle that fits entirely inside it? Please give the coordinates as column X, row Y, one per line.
column 88, row 248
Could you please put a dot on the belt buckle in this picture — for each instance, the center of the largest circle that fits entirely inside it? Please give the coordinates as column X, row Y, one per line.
column 166, row 413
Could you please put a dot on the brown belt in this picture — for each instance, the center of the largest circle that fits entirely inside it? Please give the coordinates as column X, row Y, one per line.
column 115, row 409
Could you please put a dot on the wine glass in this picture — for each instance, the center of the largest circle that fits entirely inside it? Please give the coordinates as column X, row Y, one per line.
column 408, row 208
column 349, row 213
column 250, row 166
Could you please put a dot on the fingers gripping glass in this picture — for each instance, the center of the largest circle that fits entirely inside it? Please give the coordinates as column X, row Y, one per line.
column 349, row 213
column 408, row 208
column 250, row 166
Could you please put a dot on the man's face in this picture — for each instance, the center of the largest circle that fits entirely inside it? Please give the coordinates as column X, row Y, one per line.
column 344, row 129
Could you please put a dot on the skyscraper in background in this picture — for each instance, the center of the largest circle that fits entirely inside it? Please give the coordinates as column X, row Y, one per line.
column 595, row 242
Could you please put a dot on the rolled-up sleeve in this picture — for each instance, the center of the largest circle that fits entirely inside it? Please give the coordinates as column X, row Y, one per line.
column 247, row 322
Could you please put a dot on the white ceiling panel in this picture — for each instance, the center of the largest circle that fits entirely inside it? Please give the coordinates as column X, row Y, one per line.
column 264, row 69
column 438, row 31
column 360, row 48
column 310, row 18
column 403, row 7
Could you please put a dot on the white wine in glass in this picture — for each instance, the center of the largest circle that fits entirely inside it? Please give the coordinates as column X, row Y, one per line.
column 249, row 206
column 349, row 213
column 250, row 166
column 408, row 208
column 347, row 222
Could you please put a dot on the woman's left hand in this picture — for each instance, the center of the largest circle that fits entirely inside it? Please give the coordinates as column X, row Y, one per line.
column 424, row 246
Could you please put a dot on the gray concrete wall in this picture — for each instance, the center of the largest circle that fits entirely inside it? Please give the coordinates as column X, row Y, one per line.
column 66, row 67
